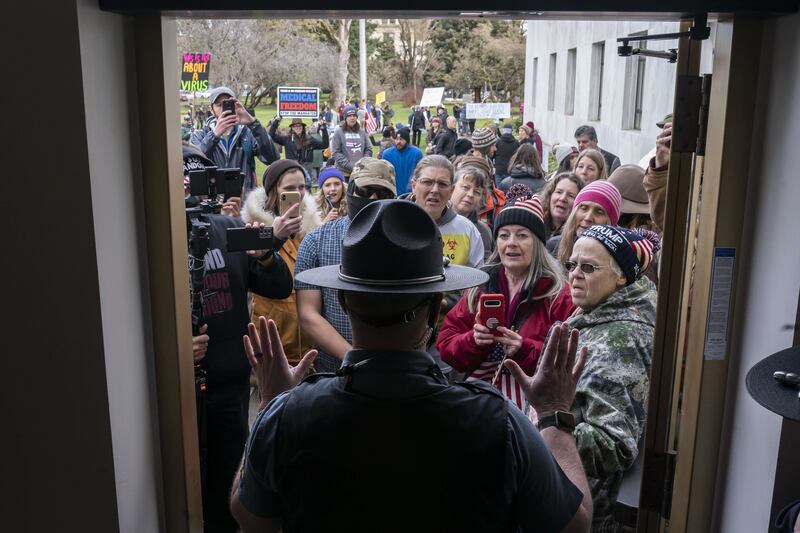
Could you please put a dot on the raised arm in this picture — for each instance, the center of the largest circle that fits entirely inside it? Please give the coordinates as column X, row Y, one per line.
column 552, row 389
column 273, row 132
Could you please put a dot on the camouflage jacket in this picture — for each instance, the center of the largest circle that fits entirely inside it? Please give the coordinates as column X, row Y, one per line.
column 611, row 398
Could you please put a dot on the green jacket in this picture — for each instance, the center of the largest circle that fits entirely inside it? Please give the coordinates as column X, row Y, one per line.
column 611, row 398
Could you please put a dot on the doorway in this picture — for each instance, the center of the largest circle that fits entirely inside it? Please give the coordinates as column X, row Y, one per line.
column 156, row 49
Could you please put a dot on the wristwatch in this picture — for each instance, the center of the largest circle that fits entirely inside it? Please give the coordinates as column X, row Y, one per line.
column 563, row 420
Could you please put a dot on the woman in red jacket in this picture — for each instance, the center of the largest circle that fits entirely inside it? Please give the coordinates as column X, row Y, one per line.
column 536, row 296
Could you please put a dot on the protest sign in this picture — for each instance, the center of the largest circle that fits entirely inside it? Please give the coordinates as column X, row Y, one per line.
column 380, row 97
column 195, row 71
column 489, row 110
column 300, row 102
column 432, row 96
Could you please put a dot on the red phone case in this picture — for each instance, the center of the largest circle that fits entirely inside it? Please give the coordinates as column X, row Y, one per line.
column 493, row 311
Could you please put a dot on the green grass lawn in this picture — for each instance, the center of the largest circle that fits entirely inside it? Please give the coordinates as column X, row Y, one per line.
column 266, row 112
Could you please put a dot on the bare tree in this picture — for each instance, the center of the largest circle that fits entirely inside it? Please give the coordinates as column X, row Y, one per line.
column 417, row 56
column 337, row 34
column 254, row 57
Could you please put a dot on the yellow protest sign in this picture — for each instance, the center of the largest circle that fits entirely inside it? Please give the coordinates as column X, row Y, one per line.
column 380, row 97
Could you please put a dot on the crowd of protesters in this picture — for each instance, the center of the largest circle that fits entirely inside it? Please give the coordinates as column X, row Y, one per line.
column 572, row 250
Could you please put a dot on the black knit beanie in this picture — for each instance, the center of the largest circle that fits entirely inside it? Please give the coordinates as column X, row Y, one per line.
column 526, row 212
column 405, row 133
column 462, row 146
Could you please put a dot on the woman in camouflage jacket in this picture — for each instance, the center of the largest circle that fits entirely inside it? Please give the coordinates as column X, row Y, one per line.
column 616, row 317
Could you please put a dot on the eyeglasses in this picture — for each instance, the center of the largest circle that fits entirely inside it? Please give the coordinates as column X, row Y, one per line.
column 586, row 268
column 430, row 184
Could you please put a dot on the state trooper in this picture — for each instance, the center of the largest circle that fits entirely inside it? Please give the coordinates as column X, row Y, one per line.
column 386, row 443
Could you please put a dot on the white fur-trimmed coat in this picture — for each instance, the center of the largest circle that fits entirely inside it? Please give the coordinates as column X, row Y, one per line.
column 283, row 312
column 254, row 211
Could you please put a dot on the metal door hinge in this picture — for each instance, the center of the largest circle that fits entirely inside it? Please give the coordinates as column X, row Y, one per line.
column 690, row 123
column 686, row 122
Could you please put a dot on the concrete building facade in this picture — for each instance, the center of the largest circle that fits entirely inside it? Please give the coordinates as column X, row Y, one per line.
column 573, row 76
column 388, row 29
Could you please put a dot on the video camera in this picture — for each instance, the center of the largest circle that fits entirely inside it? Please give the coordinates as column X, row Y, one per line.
column 213, row 181
column 209, row 182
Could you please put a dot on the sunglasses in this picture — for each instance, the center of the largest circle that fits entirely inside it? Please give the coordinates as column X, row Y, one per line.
column 586, row 268
column 381, row 192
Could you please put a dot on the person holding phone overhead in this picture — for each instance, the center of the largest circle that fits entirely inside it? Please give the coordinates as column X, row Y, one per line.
column 529, row 288
column 282, row 202
column 233, row 138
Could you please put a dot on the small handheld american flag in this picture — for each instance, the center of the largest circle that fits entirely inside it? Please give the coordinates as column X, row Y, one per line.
column 370, row 124
column 492, row 371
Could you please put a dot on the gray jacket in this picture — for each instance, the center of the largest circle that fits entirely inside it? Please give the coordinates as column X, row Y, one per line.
column 347, row 147
column 247, row 143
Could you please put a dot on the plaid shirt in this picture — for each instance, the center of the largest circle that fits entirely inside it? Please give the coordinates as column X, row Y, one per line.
column 323, row 247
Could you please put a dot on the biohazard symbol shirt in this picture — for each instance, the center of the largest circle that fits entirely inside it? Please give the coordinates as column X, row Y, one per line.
column 462, row 241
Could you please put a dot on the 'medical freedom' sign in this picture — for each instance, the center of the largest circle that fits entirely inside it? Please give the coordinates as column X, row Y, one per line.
column 298, row 102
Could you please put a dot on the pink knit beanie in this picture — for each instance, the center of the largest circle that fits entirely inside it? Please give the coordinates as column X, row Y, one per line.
column 605, row 195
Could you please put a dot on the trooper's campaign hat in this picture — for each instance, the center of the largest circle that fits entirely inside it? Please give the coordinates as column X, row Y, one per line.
column 774, row 382
column 393, row 246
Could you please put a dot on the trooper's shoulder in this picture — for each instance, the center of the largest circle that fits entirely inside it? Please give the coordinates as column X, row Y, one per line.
column 479, row 387
column 317, row 377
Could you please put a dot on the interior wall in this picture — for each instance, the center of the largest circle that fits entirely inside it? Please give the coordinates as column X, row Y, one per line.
column 109, row 83
column 58, row 471
column 770, row 286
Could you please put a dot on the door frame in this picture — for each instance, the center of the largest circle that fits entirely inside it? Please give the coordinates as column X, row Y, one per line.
column 155, row 43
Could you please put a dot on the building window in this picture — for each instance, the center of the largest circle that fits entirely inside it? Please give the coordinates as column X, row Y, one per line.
column 569, row 93
column 551, row 84
column 533, row 81
column 596, row 81
column 634, row 87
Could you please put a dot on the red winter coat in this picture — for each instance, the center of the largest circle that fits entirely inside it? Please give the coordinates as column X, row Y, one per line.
column 457, row 346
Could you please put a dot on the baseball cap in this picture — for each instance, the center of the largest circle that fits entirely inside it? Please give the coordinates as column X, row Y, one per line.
column 218, row 91
column 371, row 172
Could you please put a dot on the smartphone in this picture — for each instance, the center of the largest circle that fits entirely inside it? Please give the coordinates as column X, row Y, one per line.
column 243, row 239
column 493, row 311
column 330, row 204
column 229, row 105
column 287, row 200
column 198, row 181
column 229, row 182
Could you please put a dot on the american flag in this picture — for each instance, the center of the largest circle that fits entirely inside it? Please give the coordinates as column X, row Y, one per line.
column 492, row 371
column 369, row 123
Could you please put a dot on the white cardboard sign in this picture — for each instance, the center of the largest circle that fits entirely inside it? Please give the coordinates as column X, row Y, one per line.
column 432, row 96
column 496, row 110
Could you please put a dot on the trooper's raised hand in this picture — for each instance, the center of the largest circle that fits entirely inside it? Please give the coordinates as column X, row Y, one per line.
column 552, row 387
column 268, row 360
